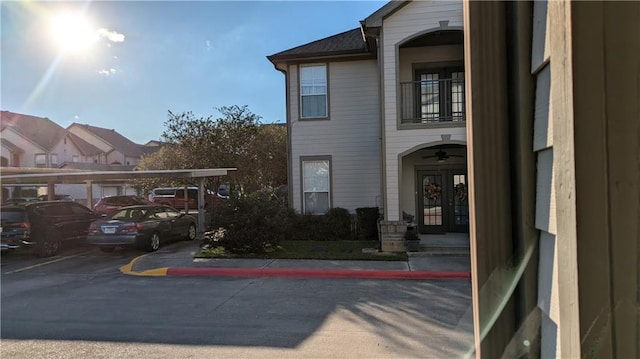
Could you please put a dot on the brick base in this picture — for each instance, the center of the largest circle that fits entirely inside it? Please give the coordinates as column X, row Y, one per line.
column 392, row 235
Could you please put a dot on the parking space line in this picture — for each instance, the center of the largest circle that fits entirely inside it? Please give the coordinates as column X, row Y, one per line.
column 47, row 263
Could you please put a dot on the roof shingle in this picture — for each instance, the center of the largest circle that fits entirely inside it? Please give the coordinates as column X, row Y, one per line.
column 346, row 43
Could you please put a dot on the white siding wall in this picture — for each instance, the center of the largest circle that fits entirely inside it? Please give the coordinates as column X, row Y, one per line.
column 415, row 18
column 5, row 152
column 131, row 160
column 350, row 136
column 79, row 131
column 66, row 151
column 115, row 156
column 27, row 158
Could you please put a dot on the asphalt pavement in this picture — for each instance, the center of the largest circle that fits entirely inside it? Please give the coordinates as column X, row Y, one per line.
column 180, row 260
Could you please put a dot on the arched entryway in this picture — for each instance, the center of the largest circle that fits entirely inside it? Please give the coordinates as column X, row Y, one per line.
column 439, row 187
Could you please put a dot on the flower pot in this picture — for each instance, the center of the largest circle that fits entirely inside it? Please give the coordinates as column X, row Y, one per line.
column 413, row 245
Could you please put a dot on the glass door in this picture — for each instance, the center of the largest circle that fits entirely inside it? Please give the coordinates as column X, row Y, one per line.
column 430, row 202
column 443, row 204
column 459, row 202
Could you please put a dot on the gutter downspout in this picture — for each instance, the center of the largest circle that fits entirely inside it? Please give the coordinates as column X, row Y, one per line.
column 382, row 135
column 288, row 122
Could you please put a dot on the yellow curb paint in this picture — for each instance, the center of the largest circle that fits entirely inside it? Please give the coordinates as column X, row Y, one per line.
column 128, row 269
column 158, row 272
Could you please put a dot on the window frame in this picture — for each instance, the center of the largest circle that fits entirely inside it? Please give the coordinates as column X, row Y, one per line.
column 54, row 159
column 303, row 160
column 326, row 92
column 35, row 160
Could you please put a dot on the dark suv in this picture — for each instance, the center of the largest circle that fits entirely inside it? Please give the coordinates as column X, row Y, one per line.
column 42, row 226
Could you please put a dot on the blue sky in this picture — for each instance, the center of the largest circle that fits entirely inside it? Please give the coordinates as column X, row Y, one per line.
column 148, row 57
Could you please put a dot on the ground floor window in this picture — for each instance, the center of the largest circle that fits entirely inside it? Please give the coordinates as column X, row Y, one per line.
column 316, row 183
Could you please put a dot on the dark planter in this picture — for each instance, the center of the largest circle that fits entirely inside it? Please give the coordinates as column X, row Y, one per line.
column 413, row 245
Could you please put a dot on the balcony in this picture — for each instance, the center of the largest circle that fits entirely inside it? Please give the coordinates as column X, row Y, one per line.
column 432, row 100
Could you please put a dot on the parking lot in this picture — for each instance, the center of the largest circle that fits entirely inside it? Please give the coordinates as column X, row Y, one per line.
column 74, row 256
column 79, row 304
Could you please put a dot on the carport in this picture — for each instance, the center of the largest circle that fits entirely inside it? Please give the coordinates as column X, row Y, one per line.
column 52, row 176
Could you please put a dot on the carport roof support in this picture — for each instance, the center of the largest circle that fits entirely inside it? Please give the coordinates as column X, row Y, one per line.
column 38, row 176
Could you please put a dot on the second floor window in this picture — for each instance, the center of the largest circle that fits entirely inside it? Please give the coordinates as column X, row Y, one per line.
column 54, row 160
column 75, row 158
column 313, row 91
column 436, row 95
column 41, row 160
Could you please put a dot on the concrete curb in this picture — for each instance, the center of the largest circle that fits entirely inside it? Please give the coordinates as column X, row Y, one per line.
column 292, row 273
column 317, row 273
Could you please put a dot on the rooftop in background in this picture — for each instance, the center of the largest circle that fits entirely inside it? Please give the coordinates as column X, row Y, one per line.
column 39, row 130
column 114, row 138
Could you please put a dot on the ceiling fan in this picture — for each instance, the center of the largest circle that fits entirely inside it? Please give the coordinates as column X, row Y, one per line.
column 442, row 156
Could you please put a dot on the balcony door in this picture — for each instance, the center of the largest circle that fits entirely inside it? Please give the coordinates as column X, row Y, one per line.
column 443, row 205
column 440, row 94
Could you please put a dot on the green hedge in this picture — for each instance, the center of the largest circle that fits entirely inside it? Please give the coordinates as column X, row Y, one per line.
column 253, row 223
column 256, row 223
column 368, row 223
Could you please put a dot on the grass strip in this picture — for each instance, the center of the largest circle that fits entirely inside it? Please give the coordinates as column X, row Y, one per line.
column 327, row 250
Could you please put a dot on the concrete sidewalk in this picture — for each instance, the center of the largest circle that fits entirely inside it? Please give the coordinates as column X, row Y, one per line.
column 178, row 260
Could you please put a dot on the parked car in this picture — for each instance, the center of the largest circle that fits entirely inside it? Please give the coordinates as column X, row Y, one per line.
column 174, row 197
column 57, row 197
column 43, row 225
column 109, row 204
column 144, row 227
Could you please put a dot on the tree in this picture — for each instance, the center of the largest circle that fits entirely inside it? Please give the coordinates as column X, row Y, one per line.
column 236, row 139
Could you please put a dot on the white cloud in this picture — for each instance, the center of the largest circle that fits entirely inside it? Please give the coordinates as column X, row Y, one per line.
column 208, row 44
column 112, row 36
column 76, row 117
column 107, row 72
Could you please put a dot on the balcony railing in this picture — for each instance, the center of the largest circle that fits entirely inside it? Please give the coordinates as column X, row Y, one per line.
column 432, row 101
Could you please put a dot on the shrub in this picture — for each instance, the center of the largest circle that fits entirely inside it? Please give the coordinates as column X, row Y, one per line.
column 367, row 223
column 338, row 222
column 309, row 227
column 253, row 223
column 412, row 235
column 332, row 226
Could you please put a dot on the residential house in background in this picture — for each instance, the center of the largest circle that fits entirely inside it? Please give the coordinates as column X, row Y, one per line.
column 30, row 141
column 376, row 117
column 116, row 149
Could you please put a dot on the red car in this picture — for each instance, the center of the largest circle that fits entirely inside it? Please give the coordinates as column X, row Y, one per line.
column 109, row 204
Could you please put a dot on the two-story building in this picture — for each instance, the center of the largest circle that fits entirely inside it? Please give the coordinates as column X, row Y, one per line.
column 115, row 148
column 549, row 115
column 36, row 142
column 376, row 117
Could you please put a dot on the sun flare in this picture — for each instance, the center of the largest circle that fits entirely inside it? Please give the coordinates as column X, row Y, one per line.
column 72, row 32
